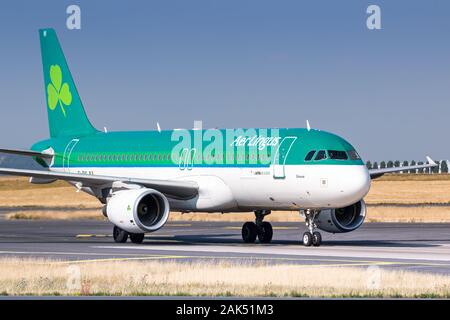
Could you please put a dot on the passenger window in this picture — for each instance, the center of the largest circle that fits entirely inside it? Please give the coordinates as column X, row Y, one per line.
column 321, row 155
column 337, row 155
column 354, row 155
column 310, row 155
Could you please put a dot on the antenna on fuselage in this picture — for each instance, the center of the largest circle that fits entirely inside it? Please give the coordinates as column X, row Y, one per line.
column 158, row 126
column 308, row 127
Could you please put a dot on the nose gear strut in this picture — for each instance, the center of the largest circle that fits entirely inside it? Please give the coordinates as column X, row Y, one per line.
column 311, row 237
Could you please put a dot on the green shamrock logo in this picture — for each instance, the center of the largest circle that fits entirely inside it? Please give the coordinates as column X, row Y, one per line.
column 58, row 92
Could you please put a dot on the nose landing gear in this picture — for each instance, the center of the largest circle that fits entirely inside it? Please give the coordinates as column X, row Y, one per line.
column 261, row 229
column 311, row 237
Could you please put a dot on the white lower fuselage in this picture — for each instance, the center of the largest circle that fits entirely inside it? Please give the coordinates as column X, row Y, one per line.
column 225, row 189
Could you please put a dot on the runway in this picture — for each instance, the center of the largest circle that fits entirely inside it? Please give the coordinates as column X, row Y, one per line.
column 414, row 247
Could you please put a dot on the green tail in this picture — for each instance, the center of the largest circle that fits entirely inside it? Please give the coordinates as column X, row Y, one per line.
column 66, row 115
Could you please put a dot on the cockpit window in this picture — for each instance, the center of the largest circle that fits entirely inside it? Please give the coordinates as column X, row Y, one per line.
column 354, row 155
column 310, row 155
column 337, row 155
column 321, row 155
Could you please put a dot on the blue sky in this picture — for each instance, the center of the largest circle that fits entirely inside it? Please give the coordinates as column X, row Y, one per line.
column 240, row 64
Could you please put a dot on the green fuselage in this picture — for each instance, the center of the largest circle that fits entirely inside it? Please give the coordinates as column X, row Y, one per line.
column 198, row 148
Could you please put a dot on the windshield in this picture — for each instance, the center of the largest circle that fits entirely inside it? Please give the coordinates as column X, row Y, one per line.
column 337, row 155
column 354, row 155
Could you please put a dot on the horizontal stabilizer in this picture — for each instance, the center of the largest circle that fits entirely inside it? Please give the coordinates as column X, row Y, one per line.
column 29, row 153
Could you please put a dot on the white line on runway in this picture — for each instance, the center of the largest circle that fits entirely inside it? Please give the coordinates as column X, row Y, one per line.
column 413, row 253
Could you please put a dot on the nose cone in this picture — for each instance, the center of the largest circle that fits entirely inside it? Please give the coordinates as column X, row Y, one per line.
column 354, row 184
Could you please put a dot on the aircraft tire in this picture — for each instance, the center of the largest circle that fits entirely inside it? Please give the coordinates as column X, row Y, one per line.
column 249, row 232
column 119, row 235
column 265, row 232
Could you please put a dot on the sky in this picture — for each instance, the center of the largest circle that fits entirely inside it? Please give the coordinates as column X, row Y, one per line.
column 240, row 63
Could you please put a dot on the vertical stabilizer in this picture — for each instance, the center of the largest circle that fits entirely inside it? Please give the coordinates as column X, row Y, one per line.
column 66, row 115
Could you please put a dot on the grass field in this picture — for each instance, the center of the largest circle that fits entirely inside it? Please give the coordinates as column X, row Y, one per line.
column 217, row 278
column 425, row 214
column 386, row 193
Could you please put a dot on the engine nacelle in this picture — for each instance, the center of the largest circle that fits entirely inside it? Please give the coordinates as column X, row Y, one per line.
column 138, row 210
column 343, row 219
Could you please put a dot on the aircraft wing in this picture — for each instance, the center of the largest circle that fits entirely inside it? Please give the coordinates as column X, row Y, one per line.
column 176, row 188
column 376, row 173
column 27, row 153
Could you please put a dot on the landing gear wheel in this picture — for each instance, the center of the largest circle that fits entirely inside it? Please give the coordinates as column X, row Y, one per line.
column 316, row 239
column 119, row 235
column 249, row 232
column 137, row 237
column 307, row 239
column 265, row 232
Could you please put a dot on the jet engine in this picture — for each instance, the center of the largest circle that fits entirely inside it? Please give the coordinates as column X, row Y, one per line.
column 138, row 210
column 343, row 219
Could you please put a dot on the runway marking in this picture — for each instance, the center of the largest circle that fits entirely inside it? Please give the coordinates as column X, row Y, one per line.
column 73, row 253
column 279, row 250
column 345, row 261
column 110, row 235
column 348, row 263
column 274, row 228
column 143, row 256
column 335, row 262
column 85, row 235
column 117, row 259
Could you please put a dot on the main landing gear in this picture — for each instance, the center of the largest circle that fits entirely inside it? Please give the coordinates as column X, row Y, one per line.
column 311, row 237
column 121, row 236
column 261, row 229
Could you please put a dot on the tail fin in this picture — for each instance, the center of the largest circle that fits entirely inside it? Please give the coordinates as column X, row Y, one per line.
column 66, row 115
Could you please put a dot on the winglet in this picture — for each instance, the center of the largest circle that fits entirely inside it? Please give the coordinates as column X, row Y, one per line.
column 308, row 127
column 430, row 161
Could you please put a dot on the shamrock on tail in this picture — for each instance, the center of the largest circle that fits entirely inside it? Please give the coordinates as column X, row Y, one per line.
column 57, row 92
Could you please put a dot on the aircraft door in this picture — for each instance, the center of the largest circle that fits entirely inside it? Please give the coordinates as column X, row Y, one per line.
column 279, row 165
column 67, row 152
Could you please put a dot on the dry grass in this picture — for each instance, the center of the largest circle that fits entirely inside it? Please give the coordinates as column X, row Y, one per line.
column 414, row 177
column 18, row 192
column 409, row 191
column 422, row 214
column 421, row 190
column 390, row 189
column 219, row 278
column 281, row 216
column 55, row 215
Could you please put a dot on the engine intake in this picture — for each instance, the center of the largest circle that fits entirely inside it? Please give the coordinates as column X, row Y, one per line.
column 342, row 219
column 139, row 210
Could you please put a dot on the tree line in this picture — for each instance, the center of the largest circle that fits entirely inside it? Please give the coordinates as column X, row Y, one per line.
column 442, row 166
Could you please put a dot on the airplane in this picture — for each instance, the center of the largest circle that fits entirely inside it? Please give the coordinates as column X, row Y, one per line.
column 139, row 176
